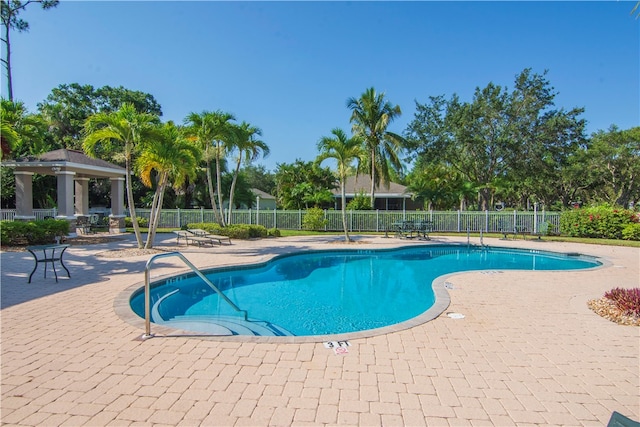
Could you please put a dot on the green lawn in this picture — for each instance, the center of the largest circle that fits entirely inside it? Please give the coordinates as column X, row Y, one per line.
column 609, row 242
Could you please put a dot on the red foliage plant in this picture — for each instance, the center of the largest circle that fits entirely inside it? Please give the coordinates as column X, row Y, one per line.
column 627, row 300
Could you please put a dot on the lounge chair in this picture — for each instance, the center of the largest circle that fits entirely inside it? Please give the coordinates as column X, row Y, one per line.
column 191, row 239
column 202, row 233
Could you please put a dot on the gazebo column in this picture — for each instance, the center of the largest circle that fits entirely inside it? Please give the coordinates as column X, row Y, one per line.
column 65, row 195
column 24, row 196
column 116, row 219
column 82, row 197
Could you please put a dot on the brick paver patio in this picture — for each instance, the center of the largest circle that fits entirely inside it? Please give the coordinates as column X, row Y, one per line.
column 527, row 352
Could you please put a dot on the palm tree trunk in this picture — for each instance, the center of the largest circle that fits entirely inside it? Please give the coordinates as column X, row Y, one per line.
column 212, row 196
column 373, row 179
column 219, row 183
column 132, row 207
column 344, row 210
column 8, row 63
column 233, row 188
column 152, row 217
column 156, row 207
column 159, row 209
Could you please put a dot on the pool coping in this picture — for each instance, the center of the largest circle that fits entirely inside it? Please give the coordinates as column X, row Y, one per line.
column 122, row 308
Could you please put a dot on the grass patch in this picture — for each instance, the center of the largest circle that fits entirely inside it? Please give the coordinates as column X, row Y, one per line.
column 586, row 240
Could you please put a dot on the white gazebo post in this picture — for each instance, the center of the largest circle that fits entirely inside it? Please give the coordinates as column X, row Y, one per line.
column 116, row 219
column 65, row 194
column 24, row 196
column 82, row 197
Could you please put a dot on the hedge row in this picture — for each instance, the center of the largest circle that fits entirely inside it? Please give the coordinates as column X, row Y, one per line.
column 236, row 231
column 16, row 233
column 603, row 222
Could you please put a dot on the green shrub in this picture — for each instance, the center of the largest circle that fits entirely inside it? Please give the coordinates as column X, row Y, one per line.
column 32, row 232
column 600, row 222
column 631, row 232
column 314, row 219
column 234, row 231
column 273, row 232
column 360, row 202
column 142, row 222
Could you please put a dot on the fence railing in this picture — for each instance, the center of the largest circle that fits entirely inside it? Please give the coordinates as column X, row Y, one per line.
column 357, row 221
column 9, row 214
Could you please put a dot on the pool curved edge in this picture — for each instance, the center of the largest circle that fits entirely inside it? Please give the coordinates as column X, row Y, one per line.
column 123, row 309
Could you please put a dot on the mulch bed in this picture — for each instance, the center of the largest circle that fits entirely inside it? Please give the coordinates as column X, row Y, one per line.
column 608, row 309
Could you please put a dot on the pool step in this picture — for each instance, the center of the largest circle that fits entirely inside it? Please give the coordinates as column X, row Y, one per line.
column 217, row 325
column 225, row 325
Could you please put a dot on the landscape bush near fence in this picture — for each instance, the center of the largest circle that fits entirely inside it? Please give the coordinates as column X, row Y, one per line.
column 603, row 222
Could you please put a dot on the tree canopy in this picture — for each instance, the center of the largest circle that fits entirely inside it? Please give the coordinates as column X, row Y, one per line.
column 505, row 143
column 68, row 106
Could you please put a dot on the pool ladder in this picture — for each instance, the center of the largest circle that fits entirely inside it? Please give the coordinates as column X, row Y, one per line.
column 147, row 289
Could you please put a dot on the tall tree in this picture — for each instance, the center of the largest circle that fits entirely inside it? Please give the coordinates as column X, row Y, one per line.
column 24, row 134
column 30, row 129
column 614, row 162
column 122, row 134
column 300, row 184
column 439, row 185
column 68, row 106
column 258, row 177
column 370, row 117
column 344, row 151
column 210, row 130
column 170, row 159
column 9, row 11
column 244, row 141
column 500, row 136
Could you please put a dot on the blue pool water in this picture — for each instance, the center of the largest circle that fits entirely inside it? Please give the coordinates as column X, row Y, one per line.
column 331, row 292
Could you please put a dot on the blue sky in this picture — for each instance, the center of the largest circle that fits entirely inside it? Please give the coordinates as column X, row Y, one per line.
column 289, row 67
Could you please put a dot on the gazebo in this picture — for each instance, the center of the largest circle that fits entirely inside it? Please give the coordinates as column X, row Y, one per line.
column 73, row 170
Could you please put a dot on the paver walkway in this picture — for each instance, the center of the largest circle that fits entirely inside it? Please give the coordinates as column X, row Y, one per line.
column 528, row 352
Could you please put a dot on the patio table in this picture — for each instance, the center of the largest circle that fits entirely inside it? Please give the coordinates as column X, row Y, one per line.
column 50, row 254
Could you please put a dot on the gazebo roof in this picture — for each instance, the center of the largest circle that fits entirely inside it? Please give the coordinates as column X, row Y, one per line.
column 66, row 160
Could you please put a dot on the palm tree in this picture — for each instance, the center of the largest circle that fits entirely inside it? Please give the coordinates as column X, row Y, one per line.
column 9, row 139
column 245, row 142
column 30, row 130
column 121, row 133
column 370, row 117
column 172, row 157
column 210, row 130
column 344, row 150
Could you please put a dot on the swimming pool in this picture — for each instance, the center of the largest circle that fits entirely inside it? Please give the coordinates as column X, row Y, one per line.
column 330, row 292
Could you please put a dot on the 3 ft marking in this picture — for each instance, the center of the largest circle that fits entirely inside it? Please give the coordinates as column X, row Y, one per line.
column 335, row 344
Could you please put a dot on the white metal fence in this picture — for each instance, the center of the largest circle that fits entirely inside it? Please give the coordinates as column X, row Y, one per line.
column 357, row 221
column 9, row 214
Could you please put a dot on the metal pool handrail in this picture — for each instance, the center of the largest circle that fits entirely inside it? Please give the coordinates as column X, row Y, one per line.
column 147, row 289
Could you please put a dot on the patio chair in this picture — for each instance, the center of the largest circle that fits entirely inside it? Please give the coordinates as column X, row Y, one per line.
column 191, row 239
column 198, row 232
column 83, row 225
column 422, row 229
column 98, row 223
